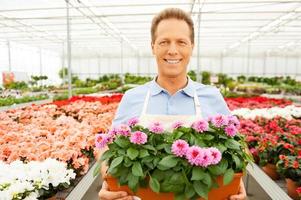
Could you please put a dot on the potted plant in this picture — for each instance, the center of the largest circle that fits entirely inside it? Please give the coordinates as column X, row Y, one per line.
column 290, row 168
column 181, row 163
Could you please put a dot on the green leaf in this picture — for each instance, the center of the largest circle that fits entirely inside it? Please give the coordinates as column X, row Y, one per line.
column 116, row 162
column 208, row 137
column 179, row 196
column 197, row 174
column 177, row 178
column 96, row 169
column 228, row 176
column 106, row 155
column 149, row 147
column 133, row 182
column 219, row 169
column 161, row 146
column 200, row 142
column 122, row 142
column 221, row 147
column 154, row 184
column 232, row 144
column 168, row 161
column 137, row 169
column 200, row 189
column 132, row 153
column 143, row 153
column 207, row 180
column 237, row 161
column 178, row 135
column 189, row 191
column 159, row 175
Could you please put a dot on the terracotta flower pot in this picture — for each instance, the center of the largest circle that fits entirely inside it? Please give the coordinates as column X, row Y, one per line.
column 221, row 193
column 270, row 170
column 291, row 188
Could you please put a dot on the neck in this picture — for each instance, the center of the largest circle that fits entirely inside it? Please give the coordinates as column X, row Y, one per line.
column 172, row 85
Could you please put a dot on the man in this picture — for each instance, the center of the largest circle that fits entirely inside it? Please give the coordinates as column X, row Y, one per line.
column 171, row 95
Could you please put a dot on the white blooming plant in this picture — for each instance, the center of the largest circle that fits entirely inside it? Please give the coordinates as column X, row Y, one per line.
column 185, row 161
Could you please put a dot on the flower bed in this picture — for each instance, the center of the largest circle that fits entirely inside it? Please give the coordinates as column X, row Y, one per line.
column 61, row 131
column 255, row 102
column 273, row 135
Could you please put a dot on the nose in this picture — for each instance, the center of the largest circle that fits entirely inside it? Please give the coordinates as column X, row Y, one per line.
column 172, row 49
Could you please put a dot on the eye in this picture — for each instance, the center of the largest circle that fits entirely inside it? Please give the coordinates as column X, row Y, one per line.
column 182, row 43
column 163, row 42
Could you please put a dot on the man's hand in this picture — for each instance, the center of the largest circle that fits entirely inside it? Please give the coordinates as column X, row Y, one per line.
column 242, row 195
column 105, row 194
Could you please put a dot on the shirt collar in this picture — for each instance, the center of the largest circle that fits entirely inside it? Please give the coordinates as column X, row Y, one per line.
column 155, row 88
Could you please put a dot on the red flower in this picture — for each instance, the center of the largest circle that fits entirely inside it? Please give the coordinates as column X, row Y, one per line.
column 299, row 191
column 282, row 157
column 295, row 164
column 288, row 146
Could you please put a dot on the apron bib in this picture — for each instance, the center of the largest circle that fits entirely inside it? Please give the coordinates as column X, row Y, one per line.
column 168, row 120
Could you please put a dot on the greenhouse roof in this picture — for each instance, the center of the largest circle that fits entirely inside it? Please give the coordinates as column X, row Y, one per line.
column 100, row 27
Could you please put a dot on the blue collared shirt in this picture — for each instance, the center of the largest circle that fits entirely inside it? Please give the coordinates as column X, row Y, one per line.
column 162, row 103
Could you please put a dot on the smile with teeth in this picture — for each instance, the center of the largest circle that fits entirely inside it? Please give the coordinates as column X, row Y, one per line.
column 172, row 61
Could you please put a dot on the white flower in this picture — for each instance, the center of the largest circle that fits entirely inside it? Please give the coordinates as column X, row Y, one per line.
column 18, row 177
column 287, row 112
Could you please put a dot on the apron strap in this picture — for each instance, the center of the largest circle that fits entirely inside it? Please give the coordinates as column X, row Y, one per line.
column 198, row 111
column 145, row 103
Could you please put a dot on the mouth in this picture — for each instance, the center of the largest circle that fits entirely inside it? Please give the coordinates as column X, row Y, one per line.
column 172, row 61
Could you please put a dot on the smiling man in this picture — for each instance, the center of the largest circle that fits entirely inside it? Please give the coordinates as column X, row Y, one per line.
column 172, row 95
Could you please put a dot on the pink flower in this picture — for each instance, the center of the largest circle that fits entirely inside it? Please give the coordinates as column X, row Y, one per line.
column 179, row 148
column 177, row 125
column 112, row 132
column 219, row 120
column 206, row 158
column 133, row 121
column 124, row 130
column 101, row 140
column 193, row 155
column 231, row 130
column 232, row 119
column 156, row 127
column 138, row 137
column 216, row 155
column 200, row 126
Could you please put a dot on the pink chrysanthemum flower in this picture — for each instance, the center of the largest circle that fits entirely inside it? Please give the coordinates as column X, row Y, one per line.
column 200, row 126
column 206, row 158
column 123, row 129
column 138, row 137
column 219, row 121
column 179, row 148
column 194, row 156
column 177, row 125
column 101, row 140
column 133, row 121
column 231, row 130
column 112, row 132
column 216, row 155
column 232, row 119
column 156, row 127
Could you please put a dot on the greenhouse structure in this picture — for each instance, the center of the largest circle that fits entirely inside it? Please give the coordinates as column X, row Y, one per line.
column 86, row 84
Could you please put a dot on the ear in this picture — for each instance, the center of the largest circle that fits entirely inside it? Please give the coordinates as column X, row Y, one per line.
column 153, row 48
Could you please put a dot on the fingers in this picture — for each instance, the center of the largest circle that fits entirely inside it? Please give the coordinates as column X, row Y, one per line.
column 241, row 193
column 237, row 197
column 105, row 194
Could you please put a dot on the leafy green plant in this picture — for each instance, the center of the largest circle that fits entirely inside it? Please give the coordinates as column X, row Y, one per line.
column 206, row 77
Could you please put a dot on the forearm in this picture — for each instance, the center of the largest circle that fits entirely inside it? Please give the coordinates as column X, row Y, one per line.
column 104, row 167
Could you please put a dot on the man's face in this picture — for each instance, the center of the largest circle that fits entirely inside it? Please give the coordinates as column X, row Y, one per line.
column 172, row 48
